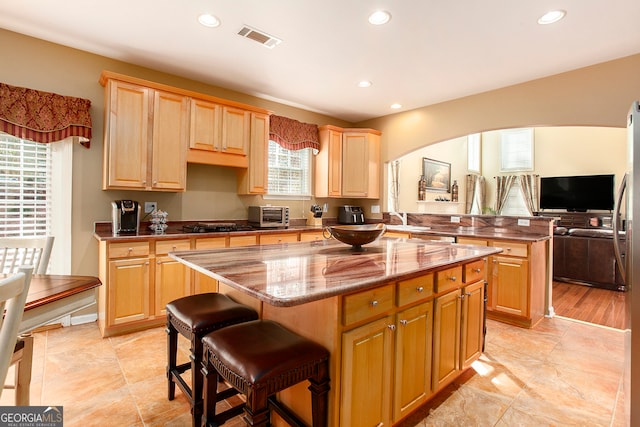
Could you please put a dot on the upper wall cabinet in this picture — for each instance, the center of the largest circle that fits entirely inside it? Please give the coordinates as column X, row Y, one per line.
column 253, row 180
column 145, row 138
column 153, row 130
column 348, row 164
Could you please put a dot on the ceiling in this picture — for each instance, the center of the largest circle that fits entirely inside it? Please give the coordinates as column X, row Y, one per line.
column 431, row 51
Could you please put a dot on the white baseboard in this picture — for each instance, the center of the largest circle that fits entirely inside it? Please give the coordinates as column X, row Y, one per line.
column 84, row 318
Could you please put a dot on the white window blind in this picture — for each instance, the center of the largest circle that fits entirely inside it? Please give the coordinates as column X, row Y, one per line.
column 515, row 204
column 289, row 171
column 25, row 187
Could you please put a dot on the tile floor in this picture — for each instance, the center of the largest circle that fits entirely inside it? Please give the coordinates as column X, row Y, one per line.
column 562, row 373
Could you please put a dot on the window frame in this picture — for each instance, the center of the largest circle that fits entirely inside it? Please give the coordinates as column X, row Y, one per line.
column 307, row 171
column 522, row 140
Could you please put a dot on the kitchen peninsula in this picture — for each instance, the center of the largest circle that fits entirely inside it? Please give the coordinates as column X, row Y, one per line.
column 402, row 318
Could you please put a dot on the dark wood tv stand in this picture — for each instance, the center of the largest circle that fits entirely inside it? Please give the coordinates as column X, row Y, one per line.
column 583, row 250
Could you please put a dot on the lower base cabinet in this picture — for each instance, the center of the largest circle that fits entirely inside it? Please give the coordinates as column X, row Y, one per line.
column 367, row 374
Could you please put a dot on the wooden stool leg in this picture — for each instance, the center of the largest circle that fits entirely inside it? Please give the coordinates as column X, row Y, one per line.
column 210, row 392
column 172, row 350
column 23, row 372
column 197, row 380
column 319, row 387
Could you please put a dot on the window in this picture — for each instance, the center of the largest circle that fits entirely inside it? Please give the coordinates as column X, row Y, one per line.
column 473, row 153
column 289, row 172
column 516, row 150
column 30, row 205
column 25, row 187
column 515, row 204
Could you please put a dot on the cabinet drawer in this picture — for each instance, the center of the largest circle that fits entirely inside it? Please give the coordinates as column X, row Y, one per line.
column 127, row 250
column 278, row 238
column 471, row 241
column 367, row 304
column 211, row 243
column 473, row 271
column 242, row 240
column 415, row 289
column 165, row 246
column 450, row 278
column 312, row 236
column 512, row 248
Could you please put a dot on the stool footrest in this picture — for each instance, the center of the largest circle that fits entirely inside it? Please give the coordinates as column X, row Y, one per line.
column 285, row 413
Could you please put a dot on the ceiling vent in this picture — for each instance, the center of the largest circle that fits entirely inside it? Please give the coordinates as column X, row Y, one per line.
column 259, row 36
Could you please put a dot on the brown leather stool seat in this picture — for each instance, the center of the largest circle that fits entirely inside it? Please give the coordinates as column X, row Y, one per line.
column 193, row 317
column 259, row 359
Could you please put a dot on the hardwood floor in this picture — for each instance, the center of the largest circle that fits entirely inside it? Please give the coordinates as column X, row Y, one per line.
column 589, row 304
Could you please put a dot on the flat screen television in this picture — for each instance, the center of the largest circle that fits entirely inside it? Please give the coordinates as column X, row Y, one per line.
column 577, row 193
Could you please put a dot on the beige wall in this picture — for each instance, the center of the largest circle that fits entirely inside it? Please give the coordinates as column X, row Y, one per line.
column 596, row 96
column 558, row 151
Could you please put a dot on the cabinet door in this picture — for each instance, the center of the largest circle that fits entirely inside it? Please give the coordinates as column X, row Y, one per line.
column 472, row 323
column 172, row 282
column 128, row 291
column 446, row 339
column 412, row 359
column 127, row 142
column 355, row 164
column 366, row 375
column 253, row 180
column 205, row 125
column 201, row 282
column 170, row 133
column 236, row 128
column 508, row 285
column 328, row 163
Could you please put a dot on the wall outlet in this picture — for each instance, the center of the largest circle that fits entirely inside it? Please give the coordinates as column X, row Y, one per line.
column 375, row 208
column 150, row 207
column 455, row 219
column 325, row 207
column 523, row 222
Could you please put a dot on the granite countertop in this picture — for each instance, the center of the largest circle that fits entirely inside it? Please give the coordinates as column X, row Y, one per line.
column 483, row 233
column 290, row 274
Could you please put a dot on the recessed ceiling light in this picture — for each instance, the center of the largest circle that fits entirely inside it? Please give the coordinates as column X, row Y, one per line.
column 379, row 17
column 208, row 20
column 396, row 106
column 364, row 83
column 551, row 17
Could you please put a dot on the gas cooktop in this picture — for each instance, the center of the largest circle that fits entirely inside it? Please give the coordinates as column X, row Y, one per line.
column 211, row 227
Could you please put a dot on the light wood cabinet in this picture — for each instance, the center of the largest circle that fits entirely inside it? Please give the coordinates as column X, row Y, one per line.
column 516, row 281
column 348, row 163
column 311, row 236
column 267, row 239
column 139, row 156
column 367, row 374
column 472, row 325
column 253, row 180
column 172, row 278
column 446, row 338
column 201, row 282
column 412, row 385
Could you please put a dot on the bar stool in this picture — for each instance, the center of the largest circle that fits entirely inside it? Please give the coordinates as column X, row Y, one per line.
column 193, row 317
column 259, row 359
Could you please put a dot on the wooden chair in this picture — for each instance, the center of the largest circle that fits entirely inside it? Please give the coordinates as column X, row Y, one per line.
column 18, row 251
column 15, row 252
column 13, row 294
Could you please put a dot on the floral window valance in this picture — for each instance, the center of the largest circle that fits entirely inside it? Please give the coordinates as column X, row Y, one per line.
column 292, row 134
column 43, row 116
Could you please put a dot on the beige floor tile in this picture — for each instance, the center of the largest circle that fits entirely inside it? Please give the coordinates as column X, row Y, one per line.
column 561, row 373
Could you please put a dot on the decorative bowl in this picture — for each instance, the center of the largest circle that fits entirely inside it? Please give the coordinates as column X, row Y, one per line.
column 354, row 235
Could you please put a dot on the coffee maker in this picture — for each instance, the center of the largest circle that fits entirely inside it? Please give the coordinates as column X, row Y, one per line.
column 125, row 215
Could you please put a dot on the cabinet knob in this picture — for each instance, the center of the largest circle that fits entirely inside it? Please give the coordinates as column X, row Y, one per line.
column 507, row 249
column 468, row 294
column 404, row 322
column 374, row 303
column 420, row 289
column 477, row 270
column 173, row 247
column 130, row 250
column 391, row 327
column 452, row 278
column 461, row 296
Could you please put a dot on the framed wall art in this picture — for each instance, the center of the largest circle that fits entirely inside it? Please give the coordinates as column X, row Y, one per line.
column 437, row 174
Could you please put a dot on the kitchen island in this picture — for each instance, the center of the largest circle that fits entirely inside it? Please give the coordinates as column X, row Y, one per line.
column 402, row 318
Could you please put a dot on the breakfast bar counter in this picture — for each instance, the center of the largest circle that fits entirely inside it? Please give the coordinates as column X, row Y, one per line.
column 401, row 318
column 290, row 274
